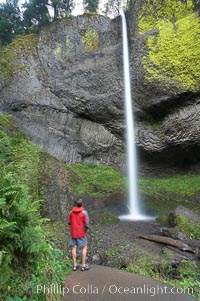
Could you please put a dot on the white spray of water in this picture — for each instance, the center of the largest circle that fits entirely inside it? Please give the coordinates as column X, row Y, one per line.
column 133, row 205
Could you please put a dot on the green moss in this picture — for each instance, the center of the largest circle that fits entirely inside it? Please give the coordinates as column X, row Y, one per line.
column 190, row 228
column 180, row 184
column 91, row 40
column 7, row 127
column 106, row 217
column 173, row 56
column 96, row 180
column 19, row 155
column 63, row 51
column 67, row 42
column 10, row 55
column 164, row 194
column 147, row 263
column 57, row 232
column 156, row 11
column 58, row 50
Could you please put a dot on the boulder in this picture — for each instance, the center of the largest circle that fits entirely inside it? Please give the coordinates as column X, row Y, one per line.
column 174, row 233
column 187, row 213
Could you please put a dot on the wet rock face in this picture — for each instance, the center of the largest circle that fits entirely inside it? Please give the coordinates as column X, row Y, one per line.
column 165, row 83
column 68, row 97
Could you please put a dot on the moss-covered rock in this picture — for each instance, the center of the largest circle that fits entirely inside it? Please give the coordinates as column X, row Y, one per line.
column 95, row 180
column 162, row 195
column 101, row 187
column 190, row 228
column 11, row 56
column 183, row 223
column 91, row 40
column 174, row 48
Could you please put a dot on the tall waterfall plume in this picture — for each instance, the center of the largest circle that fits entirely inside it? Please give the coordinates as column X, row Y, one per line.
column 133, row 196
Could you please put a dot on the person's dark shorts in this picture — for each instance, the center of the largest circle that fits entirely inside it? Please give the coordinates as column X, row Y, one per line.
column 79, row 242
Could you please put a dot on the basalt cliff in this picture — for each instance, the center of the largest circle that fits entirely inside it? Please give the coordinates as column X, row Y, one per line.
column 64, row 87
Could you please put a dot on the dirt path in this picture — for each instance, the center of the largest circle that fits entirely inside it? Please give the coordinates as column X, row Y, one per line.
column 109, row 284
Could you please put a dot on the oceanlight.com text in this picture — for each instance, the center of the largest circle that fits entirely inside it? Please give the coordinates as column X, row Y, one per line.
column 113, row 289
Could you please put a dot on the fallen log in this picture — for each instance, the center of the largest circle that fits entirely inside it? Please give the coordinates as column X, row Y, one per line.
column 174, row 253
column 169, row 241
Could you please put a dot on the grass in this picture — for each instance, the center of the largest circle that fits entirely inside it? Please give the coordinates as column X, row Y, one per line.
column 184, row 275
column 96, row 180
column 186, row 271
column 162, row 195
column 185, row 185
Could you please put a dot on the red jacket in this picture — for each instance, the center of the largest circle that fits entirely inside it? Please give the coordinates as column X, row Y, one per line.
column 78, row 220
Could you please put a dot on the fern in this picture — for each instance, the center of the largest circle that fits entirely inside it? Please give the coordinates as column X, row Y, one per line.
column 26, row 258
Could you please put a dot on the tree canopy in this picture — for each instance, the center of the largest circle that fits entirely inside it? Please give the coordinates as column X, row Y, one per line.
column 34, row 14
column 92, row 5
column 10, row 21
column 61, row 7
column 31, row 17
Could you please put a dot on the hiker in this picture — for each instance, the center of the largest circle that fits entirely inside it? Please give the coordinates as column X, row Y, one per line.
column 79, row 221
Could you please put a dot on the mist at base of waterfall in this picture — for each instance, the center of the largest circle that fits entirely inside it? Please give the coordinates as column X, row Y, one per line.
column 136, row 217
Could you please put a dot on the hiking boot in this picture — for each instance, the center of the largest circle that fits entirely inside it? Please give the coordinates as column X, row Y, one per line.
column 85, row 268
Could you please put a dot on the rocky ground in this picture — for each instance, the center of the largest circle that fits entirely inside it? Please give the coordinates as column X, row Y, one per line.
column 115, row 243
column 119, row 244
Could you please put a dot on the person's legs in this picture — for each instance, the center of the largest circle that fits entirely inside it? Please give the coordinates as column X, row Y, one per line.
column 84, row 253
column 74, row 248
column 85, row 266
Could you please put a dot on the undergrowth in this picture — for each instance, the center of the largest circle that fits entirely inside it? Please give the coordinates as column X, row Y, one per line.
column 96, row 180
column 27, row 257
column 184, row 276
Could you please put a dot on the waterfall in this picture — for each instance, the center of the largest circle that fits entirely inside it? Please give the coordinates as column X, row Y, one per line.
column 133, row 197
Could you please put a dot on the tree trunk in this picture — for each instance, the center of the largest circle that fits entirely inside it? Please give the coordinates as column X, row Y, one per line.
column 168, row 241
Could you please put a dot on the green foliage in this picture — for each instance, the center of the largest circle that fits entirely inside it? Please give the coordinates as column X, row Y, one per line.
column 149, row 264
column 35, row 15
column 96, row 180
column 10, row 21
column 108, row 218
column 165, row 194
column 61, row 8
column 57, row 232
column 186, row 271
column 143, row 262
column 110, row 253
column 185, row 185
column 190, row 228
column 11, row 54
column 27, row 258
column 91, row 40
column 177, row 43
column 92, row 5
column 155, row 12
column 114, row 7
